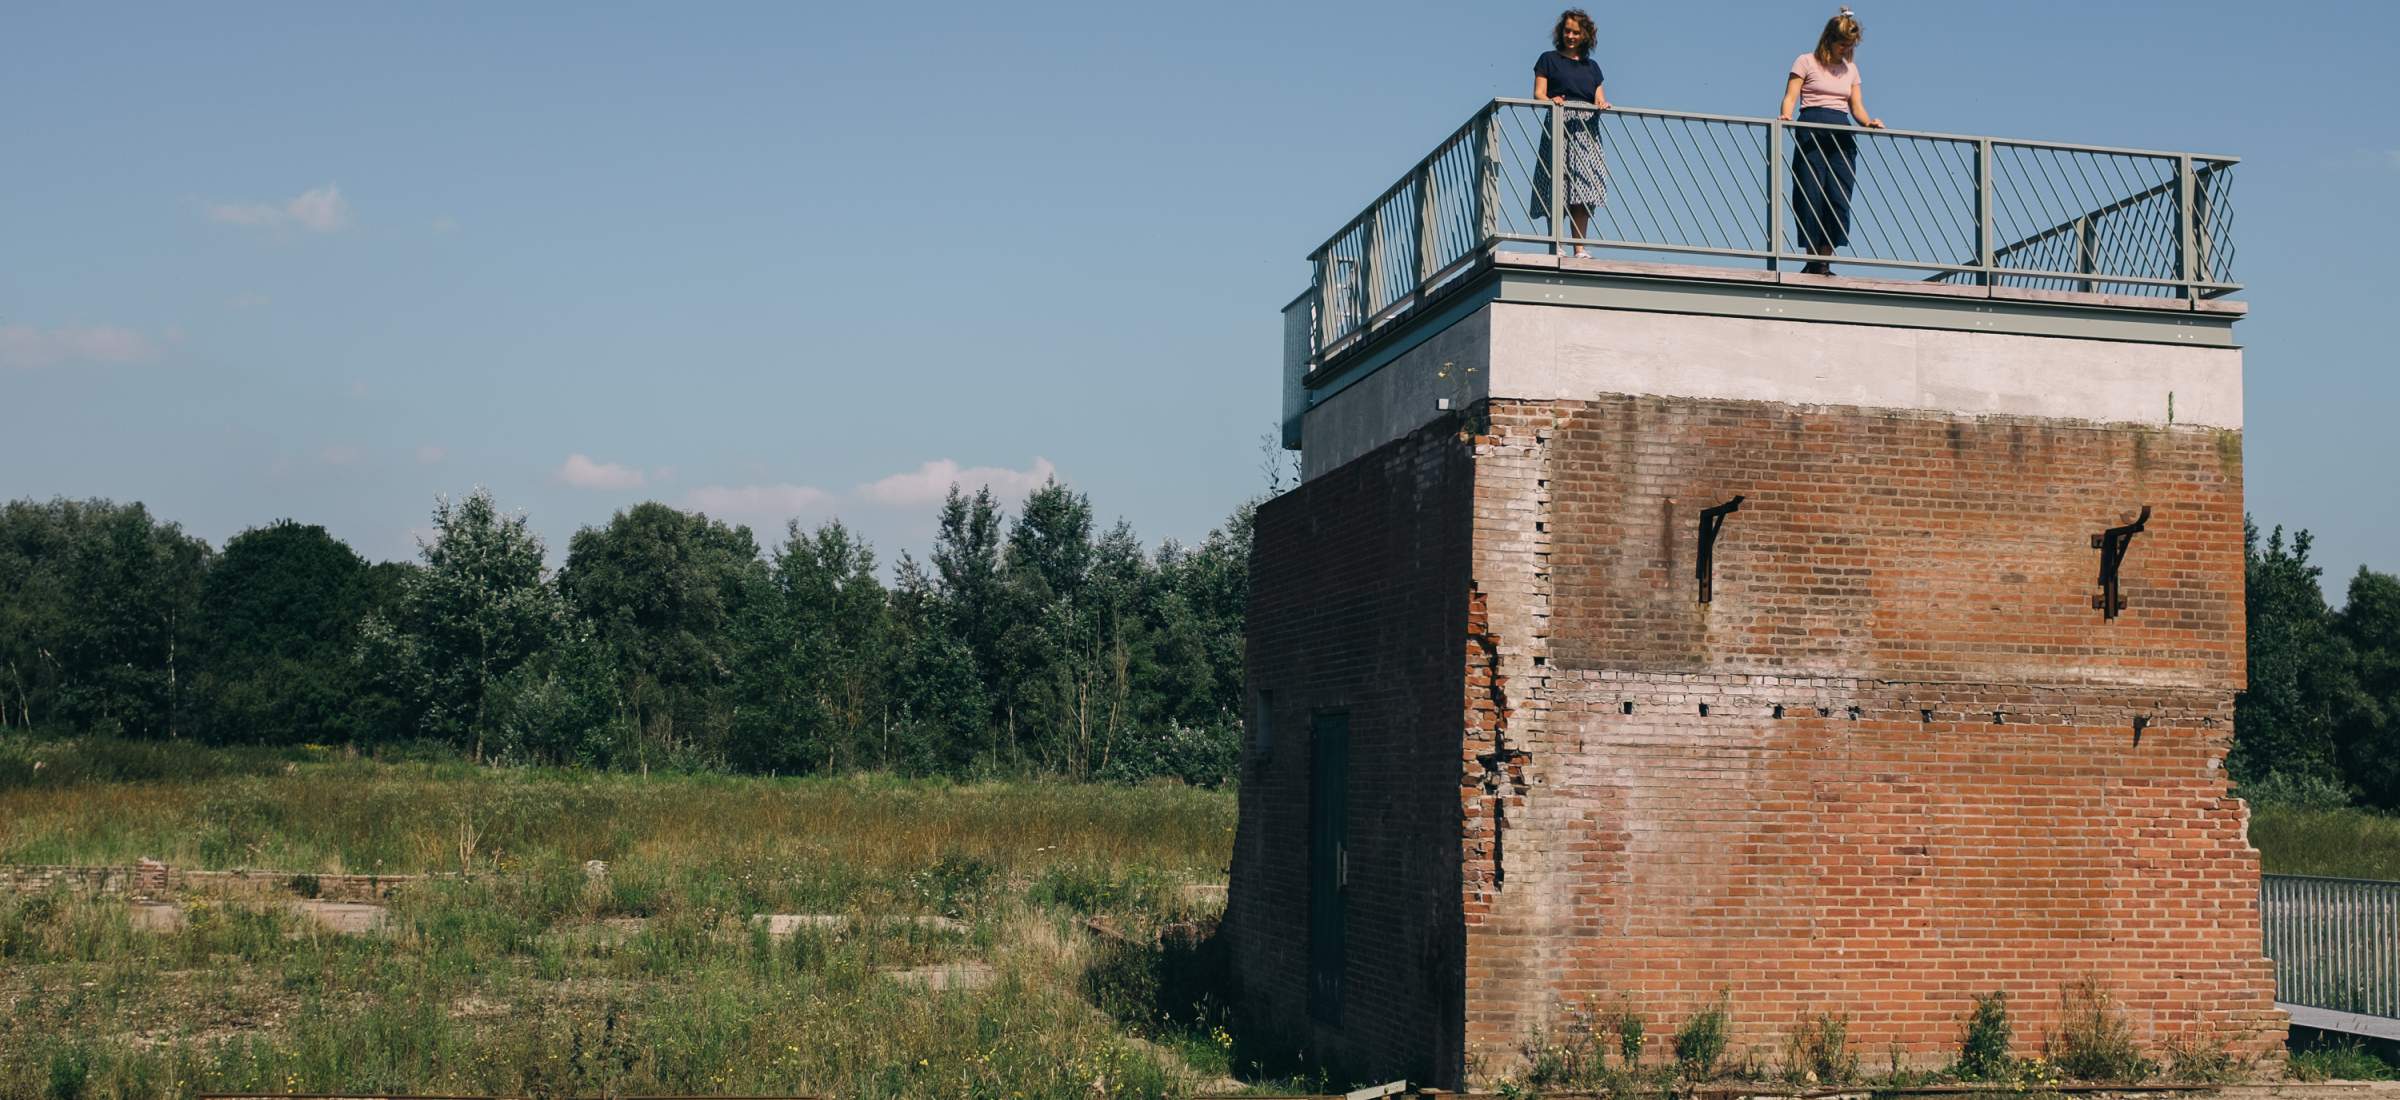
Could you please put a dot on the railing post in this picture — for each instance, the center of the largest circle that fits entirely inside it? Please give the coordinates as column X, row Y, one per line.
column 2087, row 258
column 1370, row 279
column 1429, row 220
column 2186, row 251
column 1983, row 212
column 1317, row 310
column 1775, row 195
column 1558, row 178
column 2203, row 246
column 1487, row 178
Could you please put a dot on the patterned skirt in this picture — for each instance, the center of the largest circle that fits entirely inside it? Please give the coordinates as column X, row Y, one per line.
column 1586, row 179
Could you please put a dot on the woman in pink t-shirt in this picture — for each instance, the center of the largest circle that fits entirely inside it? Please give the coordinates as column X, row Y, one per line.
column 1826, row 87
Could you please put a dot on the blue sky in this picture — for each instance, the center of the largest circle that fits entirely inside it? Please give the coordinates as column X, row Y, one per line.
column 806, row 260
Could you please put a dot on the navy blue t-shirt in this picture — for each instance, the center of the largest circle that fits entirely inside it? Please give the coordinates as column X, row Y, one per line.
column 1576, row 80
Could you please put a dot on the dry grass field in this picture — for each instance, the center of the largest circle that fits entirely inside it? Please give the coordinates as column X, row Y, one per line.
column 934, row 941
column 940, row 948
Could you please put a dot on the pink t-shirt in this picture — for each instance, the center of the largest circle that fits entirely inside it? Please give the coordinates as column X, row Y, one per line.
column 1823, row 85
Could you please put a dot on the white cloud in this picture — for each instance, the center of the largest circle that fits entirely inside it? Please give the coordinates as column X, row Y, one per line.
column 583, row 473
column 430, row 454
column 318, row 210
column 929, row 483
column 756, row 501
column 29, row 348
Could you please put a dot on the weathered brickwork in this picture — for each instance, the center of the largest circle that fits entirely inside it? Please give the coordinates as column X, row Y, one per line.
column 1898, row 545
column 1359, row 594
column 1899, row 758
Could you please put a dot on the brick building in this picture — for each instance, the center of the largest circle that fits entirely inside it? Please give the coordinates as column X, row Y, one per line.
column 1540, row 723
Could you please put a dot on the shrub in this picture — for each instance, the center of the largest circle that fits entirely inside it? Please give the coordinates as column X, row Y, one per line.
column 957, row 885
column 1202, row 756
column 85, row 761
column 1628, row 1024
column 1093, row 888
column 2193, row 1060
column 1700, row 1042
column 2296, row 791
column 1555, row 1062
column 70, row 1070
column 2093, row 1041
column 1818, row 1049
column 1983, row 1047
column 2348, row 1061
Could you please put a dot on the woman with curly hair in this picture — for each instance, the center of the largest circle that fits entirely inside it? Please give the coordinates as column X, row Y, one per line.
column 1826, row 86
column 1568, row 75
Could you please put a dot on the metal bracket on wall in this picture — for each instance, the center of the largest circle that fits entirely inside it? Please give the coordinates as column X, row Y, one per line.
column 1711, row 521
column 2112, row 545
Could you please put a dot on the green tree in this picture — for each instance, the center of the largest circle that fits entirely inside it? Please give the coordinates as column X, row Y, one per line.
column 98, row 609
column 279, row 616
column 35, row 605
column 1211, row 583
column 663, row 589
column 2369, row 740
column 1190, row 687
column 966, row 567
column 940, row 712
column 1049, row 641
column 2286, row 724
column 477, row 610
column 815, row 658
column 561, row 706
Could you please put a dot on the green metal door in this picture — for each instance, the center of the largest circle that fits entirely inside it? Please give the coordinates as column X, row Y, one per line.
column 1328, row 860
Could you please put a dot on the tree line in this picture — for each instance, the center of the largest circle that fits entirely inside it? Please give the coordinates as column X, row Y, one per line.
column 2320, row 722
column 1036, row 642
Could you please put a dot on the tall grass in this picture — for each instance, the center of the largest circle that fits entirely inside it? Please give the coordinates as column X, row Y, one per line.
column 525, row 978
column 2346, row 843
column 367, row 817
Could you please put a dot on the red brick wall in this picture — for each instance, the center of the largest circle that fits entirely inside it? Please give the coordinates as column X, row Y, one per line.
column 1953, row 797
column 1358, row 603
column 1893, row 545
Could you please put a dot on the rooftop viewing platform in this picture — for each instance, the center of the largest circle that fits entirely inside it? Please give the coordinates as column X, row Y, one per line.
column 1947, row 219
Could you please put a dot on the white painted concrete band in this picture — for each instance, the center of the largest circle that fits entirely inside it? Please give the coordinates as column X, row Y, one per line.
column 1541, row 353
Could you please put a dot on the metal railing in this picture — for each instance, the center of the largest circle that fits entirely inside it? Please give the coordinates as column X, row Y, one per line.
column 1719, row 189
column 2335, row 942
